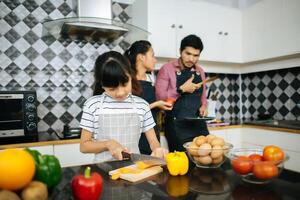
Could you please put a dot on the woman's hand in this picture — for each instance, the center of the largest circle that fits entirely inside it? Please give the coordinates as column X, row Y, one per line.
column 115, row 149
column 160, row 152
column 203, row 111
column 162, row 105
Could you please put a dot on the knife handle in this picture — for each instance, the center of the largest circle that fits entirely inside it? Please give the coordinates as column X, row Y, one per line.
column 125, row 155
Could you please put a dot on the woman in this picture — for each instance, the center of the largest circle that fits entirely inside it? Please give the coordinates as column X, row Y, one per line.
column 113, row 119
column 141, row 56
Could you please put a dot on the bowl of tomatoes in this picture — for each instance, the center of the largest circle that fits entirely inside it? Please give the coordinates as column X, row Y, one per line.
column 258, row 165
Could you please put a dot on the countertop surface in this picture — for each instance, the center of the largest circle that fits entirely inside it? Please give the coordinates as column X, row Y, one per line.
column 284, row 126
column 199, row 183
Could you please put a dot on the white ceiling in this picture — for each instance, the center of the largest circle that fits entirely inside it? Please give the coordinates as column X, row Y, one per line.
column 242, row 4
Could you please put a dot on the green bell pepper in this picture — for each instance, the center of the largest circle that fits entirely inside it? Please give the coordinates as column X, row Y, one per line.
column 48, row 169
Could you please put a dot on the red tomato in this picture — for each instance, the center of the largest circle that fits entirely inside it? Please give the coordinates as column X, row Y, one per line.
column 265, row 170
column 273, row 153
column 242, row 165
column 170, row 100
column 256, row 157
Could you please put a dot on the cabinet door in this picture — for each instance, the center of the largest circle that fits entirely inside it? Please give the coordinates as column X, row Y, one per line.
column 220, row 30
column 271, row 29
column 44, row 149
column 70, row 155
column 291, row 25
column 162, row 27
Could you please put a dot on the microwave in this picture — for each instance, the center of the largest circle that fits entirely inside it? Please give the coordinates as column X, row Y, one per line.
column 18, row 117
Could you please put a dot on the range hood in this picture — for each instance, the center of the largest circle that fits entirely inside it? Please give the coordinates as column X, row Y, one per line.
column 94, row 22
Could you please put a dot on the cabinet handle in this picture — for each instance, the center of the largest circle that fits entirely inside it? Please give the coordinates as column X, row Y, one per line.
column 226, row 33
column 220, row 33
column 173, row 26
column 180, row 26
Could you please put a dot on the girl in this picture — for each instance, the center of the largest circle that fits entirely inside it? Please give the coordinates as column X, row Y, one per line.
column 142, row 59
column 113, row 119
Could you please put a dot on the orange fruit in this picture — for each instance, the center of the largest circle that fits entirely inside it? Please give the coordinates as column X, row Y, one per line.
column 17, row 169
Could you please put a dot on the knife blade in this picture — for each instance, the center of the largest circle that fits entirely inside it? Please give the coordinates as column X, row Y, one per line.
column 135, row 157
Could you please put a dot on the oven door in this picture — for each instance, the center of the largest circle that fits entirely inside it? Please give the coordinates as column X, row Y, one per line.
column 11, row 115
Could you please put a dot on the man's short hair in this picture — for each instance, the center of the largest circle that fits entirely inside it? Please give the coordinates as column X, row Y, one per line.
column 191, row 41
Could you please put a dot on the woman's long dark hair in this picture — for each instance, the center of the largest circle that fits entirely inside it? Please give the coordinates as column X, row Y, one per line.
column 138, row 47
column 111, row 70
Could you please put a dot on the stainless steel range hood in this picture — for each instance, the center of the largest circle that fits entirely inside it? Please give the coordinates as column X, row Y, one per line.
column 94, row 22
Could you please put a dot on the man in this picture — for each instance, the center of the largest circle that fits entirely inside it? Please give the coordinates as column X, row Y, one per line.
column 180, row 80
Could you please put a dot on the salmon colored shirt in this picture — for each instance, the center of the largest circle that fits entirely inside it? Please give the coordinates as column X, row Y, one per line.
column 165, row 85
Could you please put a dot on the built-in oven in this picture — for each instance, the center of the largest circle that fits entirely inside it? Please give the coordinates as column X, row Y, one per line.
column 18, row 117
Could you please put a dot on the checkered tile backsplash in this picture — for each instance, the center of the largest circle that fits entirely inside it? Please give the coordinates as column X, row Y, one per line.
column 59, row 70
column 275, row 92
column 226, row 89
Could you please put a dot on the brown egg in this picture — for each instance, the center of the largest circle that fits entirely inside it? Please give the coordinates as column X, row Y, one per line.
column 193, row 149
column 204, row 149
column 210, row 137
column 204, row 160
column 194, row 140
column 217, row 160
column 216, row 151
column 217, row 141
column 200, row 140
column 195, row 158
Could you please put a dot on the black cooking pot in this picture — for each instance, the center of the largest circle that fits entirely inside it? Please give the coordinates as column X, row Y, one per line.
column 264, row 116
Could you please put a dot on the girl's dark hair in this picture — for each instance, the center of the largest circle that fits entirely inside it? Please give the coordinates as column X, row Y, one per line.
column 111, row 70
column 138, row 47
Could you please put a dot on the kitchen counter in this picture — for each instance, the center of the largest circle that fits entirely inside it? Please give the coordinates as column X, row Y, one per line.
column 231, row 126
column 288, row 124
column 221, row 183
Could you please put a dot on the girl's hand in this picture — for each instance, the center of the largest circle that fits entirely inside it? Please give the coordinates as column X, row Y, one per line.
column 160, row 152
column 164, row 105
column 115, row 149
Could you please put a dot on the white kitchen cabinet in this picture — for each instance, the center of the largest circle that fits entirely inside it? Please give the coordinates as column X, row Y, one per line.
column 271, row 29
column 169, row 21
column 70, row 155
column 44, row 149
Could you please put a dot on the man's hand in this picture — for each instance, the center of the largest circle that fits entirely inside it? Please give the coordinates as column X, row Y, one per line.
column 203, row 111
column 189, row 86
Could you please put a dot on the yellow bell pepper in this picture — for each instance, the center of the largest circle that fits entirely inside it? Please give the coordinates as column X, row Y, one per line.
column 177, row 163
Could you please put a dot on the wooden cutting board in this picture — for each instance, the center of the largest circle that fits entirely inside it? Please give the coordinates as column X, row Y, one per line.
column 131, row 177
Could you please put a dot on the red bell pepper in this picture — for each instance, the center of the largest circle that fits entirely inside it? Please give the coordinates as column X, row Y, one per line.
column 87, row 187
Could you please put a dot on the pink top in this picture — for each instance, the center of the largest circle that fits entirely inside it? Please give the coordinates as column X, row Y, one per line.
column 165, row 85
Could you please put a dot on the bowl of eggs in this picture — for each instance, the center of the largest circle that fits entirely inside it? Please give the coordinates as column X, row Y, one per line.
column 208, row 151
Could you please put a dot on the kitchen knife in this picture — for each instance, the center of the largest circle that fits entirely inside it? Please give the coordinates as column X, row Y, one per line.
column 208, row 80
column 134, row 157
column 208, row 94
